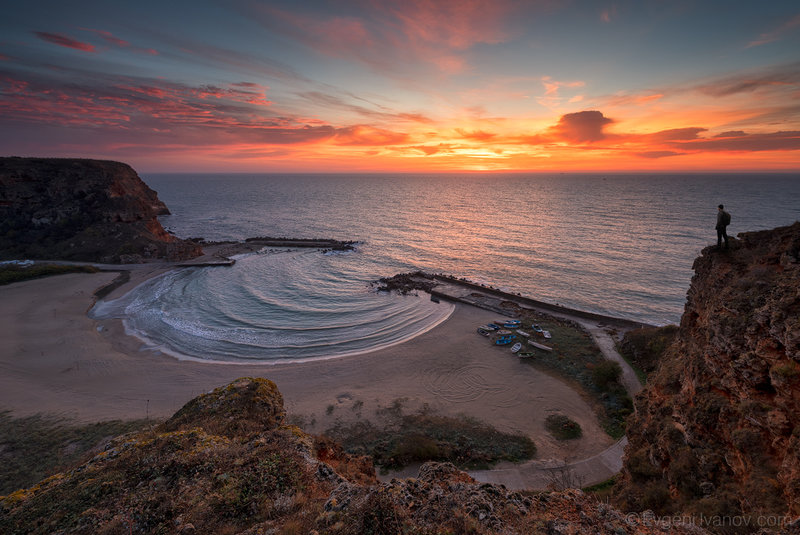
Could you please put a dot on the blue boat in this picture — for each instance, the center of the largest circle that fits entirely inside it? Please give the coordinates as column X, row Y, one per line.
column 512, row 324
column 504, row 340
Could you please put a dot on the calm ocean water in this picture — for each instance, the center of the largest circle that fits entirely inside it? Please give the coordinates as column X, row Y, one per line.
column 618, row 245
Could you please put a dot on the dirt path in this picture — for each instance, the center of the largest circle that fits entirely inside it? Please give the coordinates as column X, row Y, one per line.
column 538, row 474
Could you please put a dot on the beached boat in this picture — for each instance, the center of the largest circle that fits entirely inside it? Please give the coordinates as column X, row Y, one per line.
column 493, row 326
column 536, row 328
column 504, row 340
column 547, row 334
column 540, row 346
column 484, row 332
column 523, row 333
column 525, row 355
column 503, row 332
column 516, row 347
column 512, row 324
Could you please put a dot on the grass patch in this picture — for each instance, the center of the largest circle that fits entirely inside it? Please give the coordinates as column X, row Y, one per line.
column 35, row 447
column 577, row 358
column 562, row 427
column 643, row 348
column 12, row 273
column 402, row 439
column 603, row 487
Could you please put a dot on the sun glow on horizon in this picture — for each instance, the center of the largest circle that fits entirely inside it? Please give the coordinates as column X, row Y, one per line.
column 412, row 87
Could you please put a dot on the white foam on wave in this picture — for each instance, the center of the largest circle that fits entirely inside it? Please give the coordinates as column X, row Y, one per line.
column 192, row 315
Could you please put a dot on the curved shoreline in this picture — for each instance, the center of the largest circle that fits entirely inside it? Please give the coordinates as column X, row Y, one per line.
column 150, row 345
column 153, row 345
column 59, row 361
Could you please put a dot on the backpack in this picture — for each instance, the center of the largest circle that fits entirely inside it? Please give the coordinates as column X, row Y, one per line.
column 726, row 218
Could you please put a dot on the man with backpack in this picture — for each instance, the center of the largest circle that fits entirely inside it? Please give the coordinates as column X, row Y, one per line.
column 723, row 220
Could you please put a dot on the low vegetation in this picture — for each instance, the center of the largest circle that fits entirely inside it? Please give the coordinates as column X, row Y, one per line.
column 400, row 439
column 12, row 273
column 35, row 447
column 562, row 427
column 576, row 358
column 643, row 348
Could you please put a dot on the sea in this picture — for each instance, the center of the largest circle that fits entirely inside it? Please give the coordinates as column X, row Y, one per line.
column 619, row 245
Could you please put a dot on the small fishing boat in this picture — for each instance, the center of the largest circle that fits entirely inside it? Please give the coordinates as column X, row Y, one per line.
column 547, row 334
column 516, row 347
column 504, row 340
column 540, row 346
column 536, row 328
column 523, row 333
column 503, row 332
column 512, row 324
column 493, row 326
column 484, row 332
column 525, row 355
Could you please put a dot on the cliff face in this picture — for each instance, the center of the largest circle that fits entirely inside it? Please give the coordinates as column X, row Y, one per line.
column 717, row 429
column 75, row 209
column 226, row 463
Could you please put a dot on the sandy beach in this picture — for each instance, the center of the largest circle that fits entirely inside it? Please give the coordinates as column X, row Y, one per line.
column 56, row 360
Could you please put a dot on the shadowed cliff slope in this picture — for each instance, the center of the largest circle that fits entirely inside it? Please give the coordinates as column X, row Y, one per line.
column 73, row 209
column 717, row 429
column 226, row 463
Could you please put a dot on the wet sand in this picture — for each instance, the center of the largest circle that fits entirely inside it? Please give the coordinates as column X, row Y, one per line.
column 54, row 359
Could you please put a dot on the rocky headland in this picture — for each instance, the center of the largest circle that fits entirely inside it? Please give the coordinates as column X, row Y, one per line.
column 83, row 210
column 716, row 432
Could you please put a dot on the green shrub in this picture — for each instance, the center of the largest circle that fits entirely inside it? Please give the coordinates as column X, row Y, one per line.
column 562, row 427
column 606, row 374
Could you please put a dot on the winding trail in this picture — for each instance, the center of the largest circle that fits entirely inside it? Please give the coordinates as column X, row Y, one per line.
column 539, row 474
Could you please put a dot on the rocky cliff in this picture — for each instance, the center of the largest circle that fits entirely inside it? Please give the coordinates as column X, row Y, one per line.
column 227, row 463
column 72, row 209
column 716, row 431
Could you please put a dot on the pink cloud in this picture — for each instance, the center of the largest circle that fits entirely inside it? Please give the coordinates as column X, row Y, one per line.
column 390, row 37
column 113, row 40
column 109, row 37
column 777, row 33
column 65, row 41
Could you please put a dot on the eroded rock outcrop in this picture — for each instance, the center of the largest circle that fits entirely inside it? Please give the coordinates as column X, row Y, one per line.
column 227, row 463
column 717, row 429
column 74, row 209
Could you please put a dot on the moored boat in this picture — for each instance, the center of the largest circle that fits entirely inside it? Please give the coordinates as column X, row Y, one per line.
column 516, row 347
column 504, row 340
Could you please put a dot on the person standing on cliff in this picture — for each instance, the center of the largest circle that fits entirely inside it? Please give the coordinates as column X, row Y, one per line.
column 723, row 220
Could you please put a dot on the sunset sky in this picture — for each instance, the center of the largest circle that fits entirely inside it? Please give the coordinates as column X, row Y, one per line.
column 340, row 86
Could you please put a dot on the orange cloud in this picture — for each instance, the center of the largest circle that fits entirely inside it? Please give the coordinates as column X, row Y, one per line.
column 368, row 135
column 581, row 127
